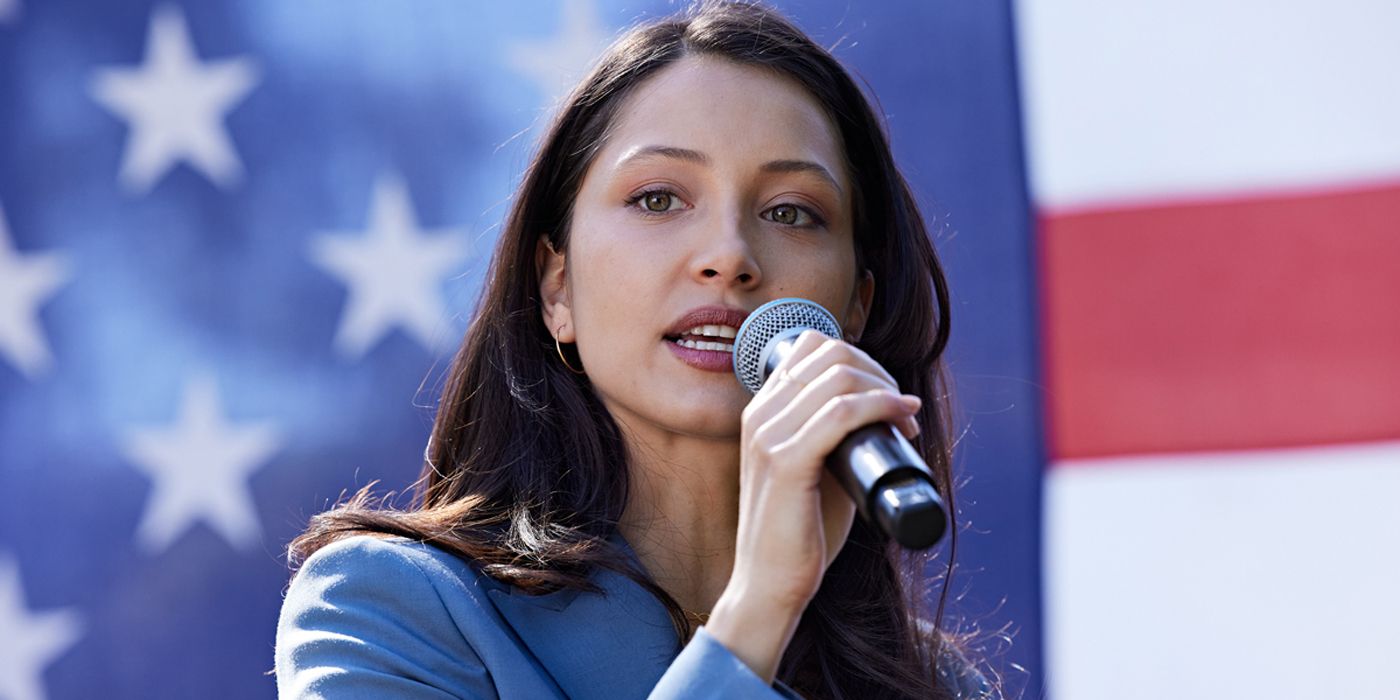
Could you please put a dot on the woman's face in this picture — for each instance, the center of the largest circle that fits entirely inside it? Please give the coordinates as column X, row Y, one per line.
column 720, row 187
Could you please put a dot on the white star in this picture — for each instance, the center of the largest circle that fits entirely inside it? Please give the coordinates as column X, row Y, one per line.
column 556, row 64
column 26, row 281
column 175, row 106
column 394, row 272
column 9, row 11
column 28, row 642
column 200, row 467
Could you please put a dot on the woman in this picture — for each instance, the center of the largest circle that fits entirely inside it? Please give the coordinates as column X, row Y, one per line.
column 604, row 511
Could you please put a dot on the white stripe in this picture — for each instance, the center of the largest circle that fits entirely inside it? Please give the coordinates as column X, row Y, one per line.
column 1269, row 574
column 1179, row 98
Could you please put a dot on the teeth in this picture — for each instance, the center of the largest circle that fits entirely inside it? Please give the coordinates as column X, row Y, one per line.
column 714, row 331
column 704, row 345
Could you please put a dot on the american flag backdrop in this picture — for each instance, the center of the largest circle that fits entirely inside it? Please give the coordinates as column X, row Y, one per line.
column 1217, row 191
column 240, row 240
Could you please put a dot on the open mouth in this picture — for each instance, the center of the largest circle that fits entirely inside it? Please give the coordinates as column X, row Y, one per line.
column 716, row 338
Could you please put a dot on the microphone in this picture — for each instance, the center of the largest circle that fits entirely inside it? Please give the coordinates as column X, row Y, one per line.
column 881, row 471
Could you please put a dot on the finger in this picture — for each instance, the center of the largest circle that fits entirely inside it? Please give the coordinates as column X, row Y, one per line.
column 779, row 391
column 909, row 427
column 781, row 387
column 808, row 341
column 842, row 415
column 831, row 352
column 833, row 382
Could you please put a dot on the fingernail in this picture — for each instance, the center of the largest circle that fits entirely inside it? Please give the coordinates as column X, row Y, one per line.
column 911, row 401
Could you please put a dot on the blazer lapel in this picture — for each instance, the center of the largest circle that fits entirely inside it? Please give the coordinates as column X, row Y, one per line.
column 606, row 646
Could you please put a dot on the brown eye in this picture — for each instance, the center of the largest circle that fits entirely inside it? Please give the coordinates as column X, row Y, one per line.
column 657, row 201
column 786, row 214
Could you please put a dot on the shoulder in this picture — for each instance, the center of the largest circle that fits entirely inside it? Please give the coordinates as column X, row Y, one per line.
column 364, row 604
column 394, row 557
column 391, row 576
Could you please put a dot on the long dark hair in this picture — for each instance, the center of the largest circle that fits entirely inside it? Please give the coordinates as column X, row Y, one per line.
column 525, row 471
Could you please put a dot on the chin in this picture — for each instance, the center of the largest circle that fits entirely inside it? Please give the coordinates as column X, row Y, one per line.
column 703, row 414
column 716, row 418
column 709, row 428
column 711, row 410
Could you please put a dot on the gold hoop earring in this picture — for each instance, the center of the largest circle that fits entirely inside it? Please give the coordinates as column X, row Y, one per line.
column 560, row 350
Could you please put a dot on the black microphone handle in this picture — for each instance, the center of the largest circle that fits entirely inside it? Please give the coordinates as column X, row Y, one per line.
column 884, row 475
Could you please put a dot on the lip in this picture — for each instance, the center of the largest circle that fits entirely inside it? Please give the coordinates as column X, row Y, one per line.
column 708, row 316
column 707, row 360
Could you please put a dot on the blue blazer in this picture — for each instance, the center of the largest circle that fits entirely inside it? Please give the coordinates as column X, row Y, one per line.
column 369, row 617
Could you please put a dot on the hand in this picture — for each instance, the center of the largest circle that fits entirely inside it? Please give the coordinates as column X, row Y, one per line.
column 794, row 516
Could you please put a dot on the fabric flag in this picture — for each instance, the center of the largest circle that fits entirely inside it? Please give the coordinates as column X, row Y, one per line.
column 1217, row 188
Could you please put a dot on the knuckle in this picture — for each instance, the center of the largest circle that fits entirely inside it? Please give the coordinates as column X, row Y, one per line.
column 842, row 351
column 841, row 378
column 884, row 402
column 765, row 441
column 890, row 399
column 842, row 408
column 817, row 341
column 852, row 379
column 801, row 350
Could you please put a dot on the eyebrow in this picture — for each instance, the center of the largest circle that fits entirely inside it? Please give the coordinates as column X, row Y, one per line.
column 693, row 156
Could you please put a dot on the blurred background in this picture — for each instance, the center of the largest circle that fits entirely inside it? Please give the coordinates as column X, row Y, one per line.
column 239, row 242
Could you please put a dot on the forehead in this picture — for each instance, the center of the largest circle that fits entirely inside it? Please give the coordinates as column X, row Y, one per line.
column 732, row 112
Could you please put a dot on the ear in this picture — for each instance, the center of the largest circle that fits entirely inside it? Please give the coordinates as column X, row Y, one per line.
column 554, row 291
column 858, row 310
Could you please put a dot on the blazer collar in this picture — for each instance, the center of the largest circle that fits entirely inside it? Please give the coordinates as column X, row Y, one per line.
column 611, row 645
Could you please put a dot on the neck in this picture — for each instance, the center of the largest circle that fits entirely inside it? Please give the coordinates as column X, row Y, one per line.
column 682, row 515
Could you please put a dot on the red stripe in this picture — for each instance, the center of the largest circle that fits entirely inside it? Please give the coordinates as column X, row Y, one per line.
column 1226, row 325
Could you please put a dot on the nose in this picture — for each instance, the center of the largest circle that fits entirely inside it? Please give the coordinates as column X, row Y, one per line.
column 726, row 254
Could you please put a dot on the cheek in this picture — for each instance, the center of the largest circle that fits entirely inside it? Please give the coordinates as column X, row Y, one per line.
column 824, row 275
column 615, row 279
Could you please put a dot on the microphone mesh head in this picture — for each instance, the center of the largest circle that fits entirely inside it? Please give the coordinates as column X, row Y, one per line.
column 768, row 321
